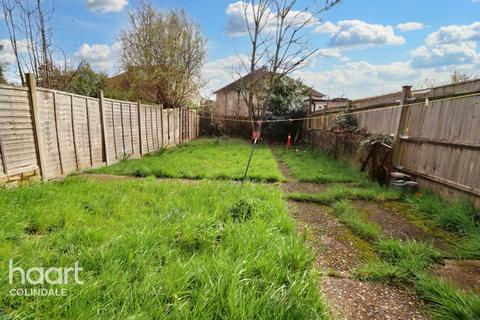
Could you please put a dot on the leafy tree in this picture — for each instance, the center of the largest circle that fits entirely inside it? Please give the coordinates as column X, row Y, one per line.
column 288, row 97
column 163, row 53
column 85, row 81
column 287, row 102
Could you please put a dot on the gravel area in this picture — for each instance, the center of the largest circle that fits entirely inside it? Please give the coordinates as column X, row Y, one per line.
column 354, row 299
column 336, row 246
column 339, row 251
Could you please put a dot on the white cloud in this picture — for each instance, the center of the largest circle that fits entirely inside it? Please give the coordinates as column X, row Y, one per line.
column 237, row 26
column 454, row 34
column 7, row 55
column 328, row 53
column 463, row 53
column 362, row 79
column 219, row 73
column 101, row 57
column 409, row 26
column 104, row 6
column 453, row 45
column 359, row 79
column 349, row 34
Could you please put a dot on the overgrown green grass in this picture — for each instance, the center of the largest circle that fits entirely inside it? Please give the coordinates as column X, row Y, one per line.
column 409, row 262
column 308, row 165
column 347, row 214
column 342, row 192
column 447, row 302
column 151, row 250
column 215, row 158
column 401, row 261
column 457, row 217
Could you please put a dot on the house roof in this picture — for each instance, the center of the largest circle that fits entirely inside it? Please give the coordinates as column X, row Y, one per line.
column 237, row 83
column 258, row 74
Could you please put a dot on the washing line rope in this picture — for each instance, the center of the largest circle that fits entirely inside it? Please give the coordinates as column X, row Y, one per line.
column 352, row 112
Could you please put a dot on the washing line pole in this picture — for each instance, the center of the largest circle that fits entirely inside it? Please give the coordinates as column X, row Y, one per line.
column 256, row 137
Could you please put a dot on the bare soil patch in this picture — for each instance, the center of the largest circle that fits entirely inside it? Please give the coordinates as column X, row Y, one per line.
column 464, row 274
column 354, row 299
column 283, row 168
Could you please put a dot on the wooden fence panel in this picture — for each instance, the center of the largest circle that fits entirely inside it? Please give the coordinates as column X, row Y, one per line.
column 95, row 129
column 65, row 132
column 134, row 129
column 455, row 166
column 109, row 130
column 380, row 121
column 166, row 126
column 176, row 127
column 48, row 125
column 16, row 131
column 440, row 142
column 117, row 128
column 73, row 135
column 81, row 131
column 126, row 129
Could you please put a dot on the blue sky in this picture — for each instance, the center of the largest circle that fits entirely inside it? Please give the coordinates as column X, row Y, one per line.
column 366, row 47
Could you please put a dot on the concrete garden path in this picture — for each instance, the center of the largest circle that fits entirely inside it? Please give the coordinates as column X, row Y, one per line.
column 339, row 252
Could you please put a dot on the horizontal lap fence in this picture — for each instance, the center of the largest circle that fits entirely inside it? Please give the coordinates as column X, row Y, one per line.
column 437, row 132
column 52, row 133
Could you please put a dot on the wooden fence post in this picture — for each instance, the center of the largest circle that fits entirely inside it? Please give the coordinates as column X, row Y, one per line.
column 55, row 116
column 168, row 126
column 402, row 123
column 132, row 144
column 4, row 158
column 139, row 128
column 114, row 132
column 89, row 132
column 73, row 133
column 104, row 127
column 161, row 124
column 123, row 130
column 32, row 94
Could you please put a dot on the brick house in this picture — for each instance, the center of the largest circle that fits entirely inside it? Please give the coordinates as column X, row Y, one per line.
column 230, row 102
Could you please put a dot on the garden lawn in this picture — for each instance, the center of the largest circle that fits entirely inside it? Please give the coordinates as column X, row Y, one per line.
column 157, row 250
column 217, row 158
column 308, row 165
